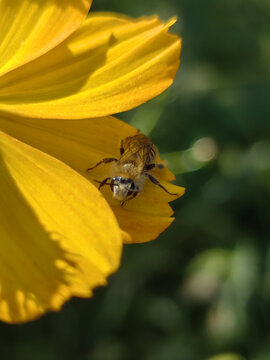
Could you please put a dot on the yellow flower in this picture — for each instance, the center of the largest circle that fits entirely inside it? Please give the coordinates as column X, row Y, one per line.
column 61, row 76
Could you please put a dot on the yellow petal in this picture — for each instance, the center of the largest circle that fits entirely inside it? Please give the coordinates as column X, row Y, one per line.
column 30, row 28
column 81, row 144
column 139, row 226
column 58, row 236
column 110, row 64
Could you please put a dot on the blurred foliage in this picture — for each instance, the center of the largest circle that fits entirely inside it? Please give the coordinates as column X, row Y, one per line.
column 202, row 290
column 226, row 357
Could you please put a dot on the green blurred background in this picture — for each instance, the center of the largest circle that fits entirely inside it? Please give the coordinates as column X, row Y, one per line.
column 202, row 290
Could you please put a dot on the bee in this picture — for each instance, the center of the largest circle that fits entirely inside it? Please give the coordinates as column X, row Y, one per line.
column 129, row 172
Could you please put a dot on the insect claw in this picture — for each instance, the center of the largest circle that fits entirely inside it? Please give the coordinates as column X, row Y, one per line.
column 171, row 193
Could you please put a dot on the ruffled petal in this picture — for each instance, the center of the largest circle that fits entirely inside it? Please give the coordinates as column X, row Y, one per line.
column 58, row 236
column 30, row 28
column 110, row 64
column 81, row 144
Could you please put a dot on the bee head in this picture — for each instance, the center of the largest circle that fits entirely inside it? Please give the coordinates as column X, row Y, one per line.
column 122, row 187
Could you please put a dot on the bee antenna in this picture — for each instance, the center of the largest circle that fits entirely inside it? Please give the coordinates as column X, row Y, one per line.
column 99, row 182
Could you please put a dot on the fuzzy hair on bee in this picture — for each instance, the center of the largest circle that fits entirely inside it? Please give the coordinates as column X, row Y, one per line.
column 128, row 173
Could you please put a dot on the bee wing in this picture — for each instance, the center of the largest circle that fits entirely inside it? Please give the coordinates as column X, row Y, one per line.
column 138, row 150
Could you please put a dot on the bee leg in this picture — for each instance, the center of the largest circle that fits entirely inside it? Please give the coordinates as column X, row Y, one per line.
column 103, row 182
column 156, row 182
column 152, row 166
column 106, row 160
column 122, row 150
column 130, row 198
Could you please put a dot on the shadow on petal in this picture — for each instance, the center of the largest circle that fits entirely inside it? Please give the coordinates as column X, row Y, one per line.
column 46, row 78
column 58, row 236
column 35, row 271
column 31, row 28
